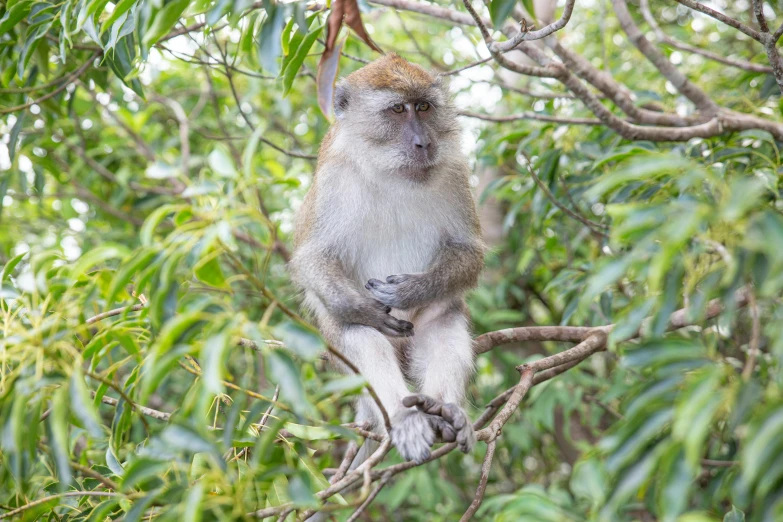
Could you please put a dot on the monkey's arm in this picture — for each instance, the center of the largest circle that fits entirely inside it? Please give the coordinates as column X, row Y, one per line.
column 456, row 268
column 320, row 273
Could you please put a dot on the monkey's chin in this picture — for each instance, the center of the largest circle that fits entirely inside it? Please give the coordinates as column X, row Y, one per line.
column 420, row 173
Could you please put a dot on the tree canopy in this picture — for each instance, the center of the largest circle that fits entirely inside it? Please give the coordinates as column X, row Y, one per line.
column 154, row 364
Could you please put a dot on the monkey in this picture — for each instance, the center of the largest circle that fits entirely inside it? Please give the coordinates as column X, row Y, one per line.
column 386, row 244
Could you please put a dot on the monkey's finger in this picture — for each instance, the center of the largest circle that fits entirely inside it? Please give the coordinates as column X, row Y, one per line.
column 445, row 431
column 397, row 327
column 453, row 415
column 395, row 279
column 373, row 283
column 392, row 332
column 424, row 403
column 382, row 306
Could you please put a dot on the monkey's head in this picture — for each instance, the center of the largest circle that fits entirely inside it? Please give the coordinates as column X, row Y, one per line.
column 399, row 115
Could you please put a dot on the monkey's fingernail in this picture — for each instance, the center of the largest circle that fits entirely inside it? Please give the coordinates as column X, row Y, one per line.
column 388, row 309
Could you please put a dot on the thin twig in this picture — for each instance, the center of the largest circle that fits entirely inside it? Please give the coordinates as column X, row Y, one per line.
column 486, row 466
column 67, row 81
column 755, row 338
column 112, row 313
column 44, row 500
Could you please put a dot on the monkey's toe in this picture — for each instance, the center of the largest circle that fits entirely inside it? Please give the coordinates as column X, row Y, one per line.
column 412, row 435
column 459, row 429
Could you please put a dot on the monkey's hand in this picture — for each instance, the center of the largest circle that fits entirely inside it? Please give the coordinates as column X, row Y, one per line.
column 375, row 314
column 402, row 291
column 412, row 435
column 449, row 421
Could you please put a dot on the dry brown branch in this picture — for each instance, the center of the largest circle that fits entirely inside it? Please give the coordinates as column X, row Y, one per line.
column 525, row 36
column 356, row 514
column 89, row 472
column 770, row 43
column 469, row 66
column 670, row 127
column 755, row 337
column 486, row 466
column 736, row 24
column 112, row 313
column 149, row 412
column 527, row 115
column 644, row 6
column 688, row 89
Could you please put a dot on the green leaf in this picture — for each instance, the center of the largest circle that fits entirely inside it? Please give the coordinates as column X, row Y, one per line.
column 269, row 43
column 140, row 470
column 214, row 366
column 282, row 371
column 208, row 270
column 113, row 462
column 303, row 432
column 762, row 447
column 735, row 515
column 154, row 219
column 347, row 384
column 163, row 22
column 14, row 138
column 303, row 342
column 120, row 9
column 138, row 261
column 499, row 10
column 300, row 492
column 193, row 507
column 97, row 256
column 102, row 510
column 82, row 406
column 660, row 352
column 185, row 439
column 9, row 266
column 646, row 169
column 222, row 163
column 58, row 437
column 296, row 62
column 14, row 15
column 140, row 507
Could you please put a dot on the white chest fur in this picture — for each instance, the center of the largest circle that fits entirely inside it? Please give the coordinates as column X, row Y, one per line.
column 381, row 231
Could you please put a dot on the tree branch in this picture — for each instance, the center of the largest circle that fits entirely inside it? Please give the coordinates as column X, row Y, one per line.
column 644, row 6
column 486, row 466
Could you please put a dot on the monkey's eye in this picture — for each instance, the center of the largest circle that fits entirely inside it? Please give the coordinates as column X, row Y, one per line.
column 398, row 108
column 423, row 107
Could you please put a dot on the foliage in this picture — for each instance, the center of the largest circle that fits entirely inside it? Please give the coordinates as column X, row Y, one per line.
column 153, row 155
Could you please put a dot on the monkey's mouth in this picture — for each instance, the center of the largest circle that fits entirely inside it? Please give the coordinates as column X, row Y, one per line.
column 419, row 173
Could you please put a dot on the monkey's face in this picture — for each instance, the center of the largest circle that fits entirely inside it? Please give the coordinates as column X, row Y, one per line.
column 401, row 134
column 398, row 117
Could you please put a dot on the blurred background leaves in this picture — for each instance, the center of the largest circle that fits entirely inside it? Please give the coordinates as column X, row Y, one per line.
column 152, row 157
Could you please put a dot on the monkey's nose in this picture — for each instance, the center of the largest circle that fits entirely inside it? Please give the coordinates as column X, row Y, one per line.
column 421, row 142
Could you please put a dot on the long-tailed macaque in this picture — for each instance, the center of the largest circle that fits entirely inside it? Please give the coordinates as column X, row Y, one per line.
column 387, row 244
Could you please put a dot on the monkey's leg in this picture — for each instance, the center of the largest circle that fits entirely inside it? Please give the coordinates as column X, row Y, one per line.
column 442, row 363
column 376, row 359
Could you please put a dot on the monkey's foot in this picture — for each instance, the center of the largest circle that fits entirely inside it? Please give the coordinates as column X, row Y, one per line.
column 449, row 421
column 412, row 435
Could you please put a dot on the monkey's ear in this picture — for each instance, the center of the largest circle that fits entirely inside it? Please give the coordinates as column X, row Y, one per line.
column 340, row 99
